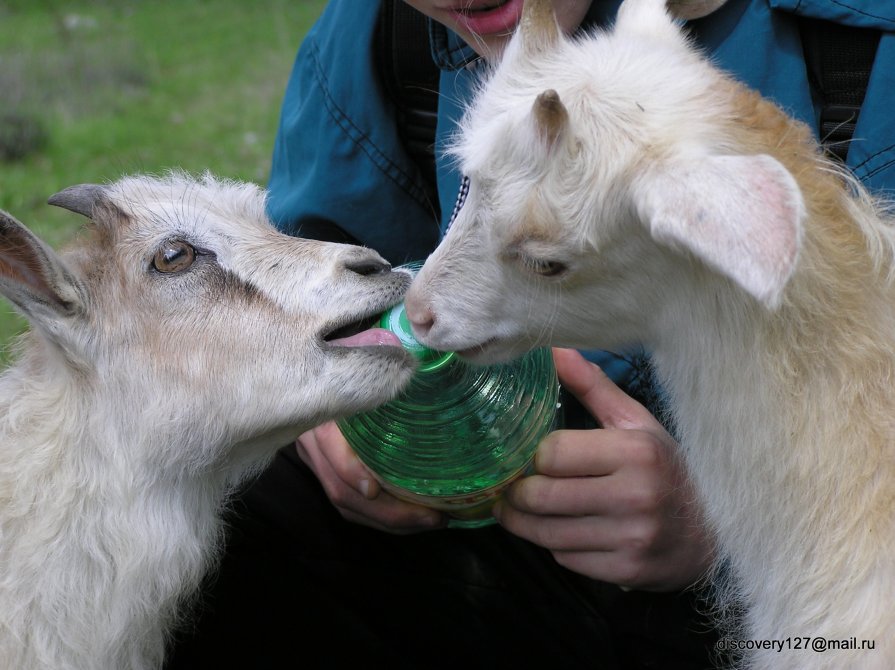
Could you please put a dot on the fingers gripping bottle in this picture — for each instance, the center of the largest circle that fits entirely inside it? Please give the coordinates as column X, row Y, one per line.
column 459, row 434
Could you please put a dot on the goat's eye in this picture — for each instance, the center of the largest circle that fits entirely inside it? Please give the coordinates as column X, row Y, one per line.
column 174, row 256
column 546, row 268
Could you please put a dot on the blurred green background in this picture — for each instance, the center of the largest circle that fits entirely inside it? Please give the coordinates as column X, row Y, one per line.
column 94, row 89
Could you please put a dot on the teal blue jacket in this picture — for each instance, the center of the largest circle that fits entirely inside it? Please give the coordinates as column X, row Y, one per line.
column 338, row 158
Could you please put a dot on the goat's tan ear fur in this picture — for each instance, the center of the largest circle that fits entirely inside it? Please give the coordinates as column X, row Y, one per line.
column 538, row 28
column 551, row 117
column 80, row 199
column 693, row 9
column 741, row 215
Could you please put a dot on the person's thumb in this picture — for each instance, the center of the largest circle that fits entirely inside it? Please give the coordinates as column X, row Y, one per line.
column 599, row 395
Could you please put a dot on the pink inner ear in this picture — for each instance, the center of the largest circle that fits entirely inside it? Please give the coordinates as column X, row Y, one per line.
column 742, row 215
column 783, row 207
column 18, row 261
column 21, row 260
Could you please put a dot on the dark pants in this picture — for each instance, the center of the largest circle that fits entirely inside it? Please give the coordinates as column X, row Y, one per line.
column 299, row 587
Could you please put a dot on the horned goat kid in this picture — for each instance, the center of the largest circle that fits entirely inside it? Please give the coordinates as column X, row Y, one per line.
column 171, row 352
column 622, row 189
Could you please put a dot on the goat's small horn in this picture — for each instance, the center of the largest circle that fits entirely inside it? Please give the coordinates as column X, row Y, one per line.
column 80, row 199
column 538, row 26
column 693, row 9
column 550, row 115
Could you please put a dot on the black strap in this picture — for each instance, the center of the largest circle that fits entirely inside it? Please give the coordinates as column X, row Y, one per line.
column 410, row 78
column 839, row 60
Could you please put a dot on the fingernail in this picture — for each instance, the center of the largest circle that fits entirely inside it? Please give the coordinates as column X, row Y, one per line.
column 364, row 485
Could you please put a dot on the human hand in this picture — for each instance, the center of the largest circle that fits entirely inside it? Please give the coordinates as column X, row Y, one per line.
column 614, row 503
column 354, row 491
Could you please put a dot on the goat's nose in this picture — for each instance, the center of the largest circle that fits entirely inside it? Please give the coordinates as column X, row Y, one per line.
column 368, row 267
column 421, row 317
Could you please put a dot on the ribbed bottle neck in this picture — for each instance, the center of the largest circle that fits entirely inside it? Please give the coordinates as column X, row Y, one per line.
column 396, row 321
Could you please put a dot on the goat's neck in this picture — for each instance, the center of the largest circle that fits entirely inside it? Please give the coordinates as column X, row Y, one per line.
column 783, row 442
column 140, row 531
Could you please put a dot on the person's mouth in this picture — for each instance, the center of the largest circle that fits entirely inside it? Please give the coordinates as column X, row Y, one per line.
column 488, row 17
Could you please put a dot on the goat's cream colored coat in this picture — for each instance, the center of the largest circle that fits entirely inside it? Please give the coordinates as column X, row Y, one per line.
column 142, row 397
column 624, row 190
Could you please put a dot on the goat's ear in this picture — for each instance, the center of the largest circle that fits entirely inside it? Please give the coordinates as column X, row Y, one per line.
column 33, row 277
column 741, row 215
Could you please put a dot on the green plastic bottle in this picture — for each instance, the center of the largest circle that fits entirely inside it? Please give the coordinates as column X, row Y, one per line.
column 458, row 434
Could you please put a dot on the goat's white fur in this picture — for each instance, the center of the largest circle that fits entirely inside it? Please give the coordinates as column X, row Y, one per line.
column 141, row 399
column 678, row 209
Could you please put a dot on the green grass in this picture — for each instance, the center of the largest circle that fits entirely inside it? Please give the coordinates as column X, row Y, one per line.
column 123, row 86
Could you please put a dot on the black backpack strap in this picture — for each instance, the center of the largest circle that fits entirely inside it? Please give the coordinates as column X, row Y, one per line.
column 839, row 60
column 410, row 79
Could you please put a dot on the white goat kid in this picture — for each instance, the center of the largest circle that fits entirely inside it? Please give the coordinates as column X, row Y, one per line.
column 171, row 352
column 622, row 190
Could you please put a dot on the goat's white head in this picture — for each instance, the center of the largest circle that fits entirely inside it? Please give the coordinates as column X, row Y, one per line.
column 587, row 159
column 184, row 300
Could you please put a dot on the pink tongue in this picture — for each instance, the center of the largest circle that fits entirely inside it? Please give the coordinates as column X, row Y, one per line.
column 374, row 337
